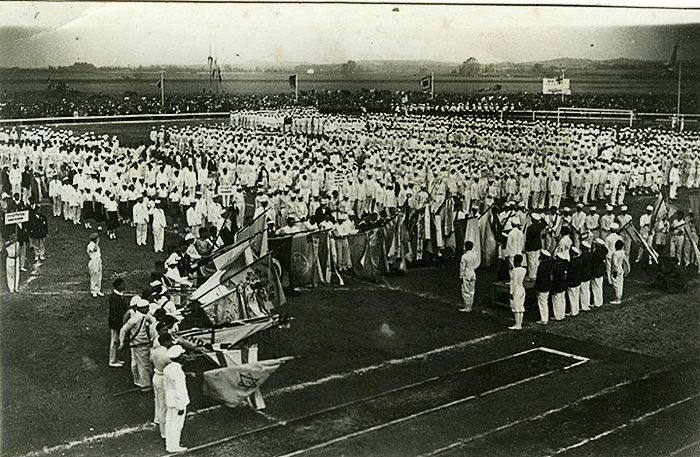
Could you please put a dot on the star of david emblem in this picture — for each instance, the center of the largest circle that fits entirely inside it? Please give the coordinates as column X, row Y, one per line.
column 248, row 381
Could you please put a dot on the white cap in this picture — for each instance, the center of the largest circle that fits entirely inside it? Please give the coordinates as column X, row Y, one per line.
column 608, row 208
column 545, row 253
column 623, row 208
column 614, row 226
column 650, row 208
column 536, row 216
column 175, row 351
column 575, row 250
column 586, row 244
column 562, row 255
column 600, row 241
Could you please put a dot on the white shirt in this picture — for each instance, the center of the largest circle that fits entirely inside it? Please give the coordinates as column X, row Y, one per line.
column 176, row 395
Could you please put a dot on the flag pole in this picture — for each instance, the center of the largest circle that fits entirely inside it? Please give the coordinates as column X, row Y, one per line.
column 162, row 94
column 296, row 88
column 432, row 85
column 678, row 99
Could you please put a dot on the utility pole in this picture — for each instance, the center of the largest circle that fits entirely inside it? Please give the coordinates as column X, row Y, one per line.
column 162, row 93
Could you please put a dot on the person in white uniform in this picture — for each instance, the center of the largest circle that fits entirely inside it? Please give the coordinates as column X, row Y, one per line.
column 176, row 399
column 95, row 265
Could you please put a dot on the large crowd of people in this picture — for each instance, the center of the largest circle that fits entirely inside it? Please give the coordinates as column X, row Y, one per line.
column 69, row 103
column 552, row 199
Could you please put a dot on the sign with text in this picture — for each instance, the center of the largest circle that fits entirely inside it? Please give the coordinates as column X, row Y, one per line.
column 556, row 86
column 16, row 217
column 226, row 189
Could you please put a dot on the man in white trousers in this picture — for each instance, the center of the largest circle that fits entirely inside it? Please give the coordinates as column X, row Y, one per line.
column 176, row 399
column 140, row 219
column 543, row 285
column 160, row 359
column 95, row 265
column 158, row 225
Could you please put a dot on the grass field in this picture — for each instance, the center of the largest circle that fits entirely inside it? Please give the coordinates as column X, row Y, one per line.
column 386, row 369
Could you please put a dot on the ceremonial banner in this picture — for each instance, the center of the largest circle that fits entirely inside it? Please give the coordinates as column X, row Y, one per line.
column 257, row 226
column 252, row 292
column 631, row 231
column 694, row 197
column 299, row 256
column 368, row 253
column 662, row 210
column 232, row 385
column 692, row 238
column 487, row 232
column 230, row 336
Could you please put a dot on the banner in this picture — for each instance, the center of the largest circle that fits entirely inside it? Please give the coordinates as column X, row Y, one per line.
column 232, row 385
column 230, row 336
column 556, row 86
column 368, row 254
column 254, row 291
column 631, row 231
column 487, row 233
column 304, row 257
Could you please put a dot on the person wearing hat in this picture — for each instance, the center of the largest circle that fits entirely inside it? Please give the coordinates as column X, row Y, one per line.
column 573, row 280
column 158, row 225
column 12, row 270
column 646, row 233
column 138, row 333
column 95, row 265
column 517, row 291
column 176, row 399
column 606, row 220
column 598, row 269
column 623, row 219
column 470, row 261
column 620, row 269
column 586, row 275
column 515, row 242
column 592, row 223
column 543, row 284
column 674, row 179
column 559, row 273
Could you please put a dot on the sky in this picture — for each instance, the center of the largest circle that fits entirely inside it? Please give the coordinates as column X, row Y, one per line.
column 39, row 34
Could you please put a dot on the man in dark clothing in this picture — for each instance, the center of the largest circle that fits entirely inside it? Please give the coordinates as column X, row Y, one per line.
column 543, row 285
column 5, row 185
column 117, row 309
column 26, row 184
column 559, row 271
column 38, row 229
column 585, row 260
column 573, row 281
column 598, row 271
column 533, row 244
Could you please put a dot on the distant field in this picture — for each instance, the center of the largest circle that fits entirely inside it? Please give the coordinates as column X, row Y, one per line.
column 267, row 83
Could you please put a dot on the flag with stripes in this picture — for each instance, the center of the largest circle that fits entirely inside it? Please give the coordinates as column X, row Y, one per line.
column 426, row 83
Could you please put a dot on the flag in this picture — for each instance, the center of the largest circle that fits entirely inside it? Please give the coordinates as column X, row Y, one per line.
column 299, row 256
column 692, row 238
column 225, row 235
column 694, row 197
column 229, row 336
column 488, row 228
column 673, row 60
column 662, row 210
column 631, row 231
column 369, row 254
column 426, row 84
column 157, row 84
column 256, row 226
column 293, row 82
column 232, row 295
column 218, row 73
column 233, row 384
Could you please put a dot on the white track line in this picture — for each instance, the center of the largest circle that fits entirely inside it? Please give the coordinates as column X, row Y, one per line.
column 575, row 403
column 284, row 390
column 684, row 448
column 622, row 426
column 424, row 412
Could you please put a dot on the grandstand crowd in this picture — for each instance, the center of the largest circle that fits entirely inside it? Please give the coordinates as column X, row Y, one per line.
column 68, row 103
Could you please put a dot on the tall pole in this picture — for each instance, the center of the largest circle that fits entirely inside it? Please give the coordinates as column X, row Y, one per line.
column 432, row 85
column 296, row 88
column 678, row 99
column 162, row 93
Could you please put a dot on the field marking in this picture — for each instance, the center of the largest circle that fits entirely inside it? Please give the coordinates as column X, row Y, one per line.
column 434, row 409
column 623, row 426
column 600, row 393
column 281, row 391
column 684, row 448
